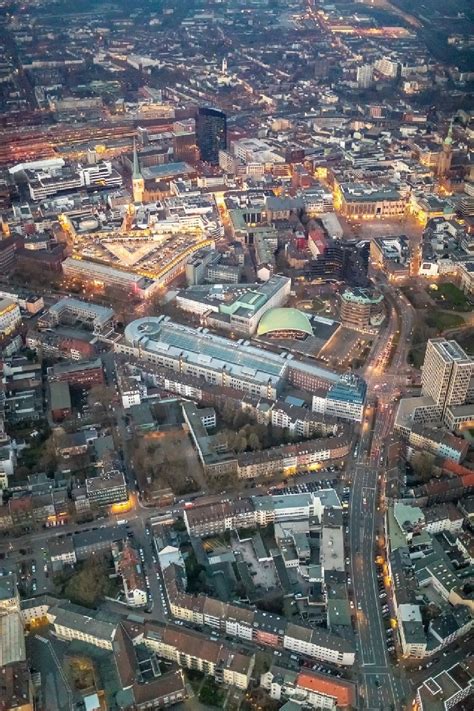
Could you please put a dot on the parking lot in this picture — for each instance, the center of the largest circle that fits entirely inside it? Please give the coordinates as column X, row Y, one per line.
column 31, row 566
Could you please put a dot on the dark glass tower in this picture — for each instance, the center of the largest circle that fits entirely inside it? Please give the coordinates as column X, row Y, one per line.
column 211, row 133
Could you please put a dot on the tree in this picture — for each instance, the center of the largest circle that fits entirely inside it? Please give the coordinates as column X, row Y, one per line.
column 254, row 442
column 422, row 464
column 241, row 443
column 100, row 396
column 88, row 585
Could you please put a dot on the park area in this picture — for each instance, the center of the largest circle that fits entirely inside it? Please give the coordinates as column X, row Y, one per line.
column 449, row 296
column 441, row 309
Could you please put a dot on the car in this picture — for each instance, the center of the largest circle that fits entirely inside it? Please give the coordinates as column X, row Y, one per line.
column 33, row 568
column 359, row 606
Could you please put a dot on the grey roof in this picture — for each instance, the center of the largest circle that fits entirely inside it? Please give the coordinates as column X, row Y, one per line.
column 60, row 395
column 94, row 537
column 82, row 621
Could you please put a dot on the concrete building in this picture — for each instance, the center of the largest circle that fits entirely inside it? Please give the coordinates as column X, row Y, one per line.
column 83, row 373
column 448, row 689
column 219, row 361
column 447, row 374
column 109, row 488
column 364, row 201
column 411, row 631
column 98, row 319
column 345, row 399
column 362, row 309
column 10, row 321
column 238, row 308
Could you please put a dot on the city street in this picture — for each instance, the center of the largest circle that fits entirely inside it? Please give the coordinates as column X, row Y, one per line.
column 381, row 687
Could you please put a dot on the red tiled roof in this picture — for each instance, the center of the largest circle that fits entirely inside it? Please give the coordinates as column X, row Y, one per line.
column 342, row 691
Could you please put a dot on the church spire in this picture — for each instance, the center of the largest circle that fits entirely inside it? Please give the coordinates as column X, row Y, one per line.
column 138, row 183
column 136, row 175
column 448, row 141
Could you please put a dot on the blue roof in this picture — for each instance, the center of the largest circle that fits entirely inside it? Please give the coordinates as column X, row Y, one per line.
column 349, row 389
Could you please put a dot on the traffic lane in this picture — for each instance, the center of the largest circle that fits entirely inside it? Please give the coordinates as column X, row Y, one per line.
column 371, row 635
column 153, row 579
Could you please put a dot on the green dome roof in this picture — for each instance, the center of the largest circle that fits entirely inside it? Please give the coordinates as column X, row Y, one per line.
column 284, row 320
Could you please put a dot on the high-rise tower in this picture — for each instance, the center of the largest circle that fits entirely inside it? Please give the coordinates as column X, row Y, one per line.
column 446, row 156
column 447, row 373
column 138, row 184
column 211, row 133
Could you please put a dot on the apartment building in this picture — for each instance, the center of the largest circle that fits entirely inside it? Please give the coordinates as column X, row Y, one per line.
column 292, row 456
column 87, row 543
column 438, row 442
column 193, row 650
column 411, row 630
column 248, row 623
column 315, row 690
column 70, row 624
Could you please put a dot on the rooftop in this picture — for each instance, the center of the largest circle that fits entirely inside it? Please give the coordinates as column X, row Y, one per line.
column 284, row 319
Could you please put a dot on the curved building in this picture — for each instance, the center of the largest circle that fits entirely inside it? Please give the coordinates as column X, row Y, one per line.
column 284, row 323
column 362, row 309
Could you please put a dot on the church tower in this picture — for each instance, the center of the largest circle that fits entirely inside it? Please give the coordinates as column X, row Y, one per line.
column 445, row 157
column 138, row 184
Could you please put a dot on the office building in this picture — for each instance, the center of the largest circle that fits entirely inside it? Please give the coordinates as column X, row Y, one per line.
column 211, row 133
column 8, row 248
column 107, row 489
column 82, row 373
column 50, row 180
column 219, row 361
column 361, row 200
column 362, row 309
column 447, row 374
column 69, row 311
column 344, row 399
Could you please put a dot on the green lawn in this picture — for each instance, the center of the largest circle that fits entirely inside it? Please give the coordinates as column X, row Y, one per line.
column 443, row 320
column 450, row 297
column 466, row 340
column 212, row 694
